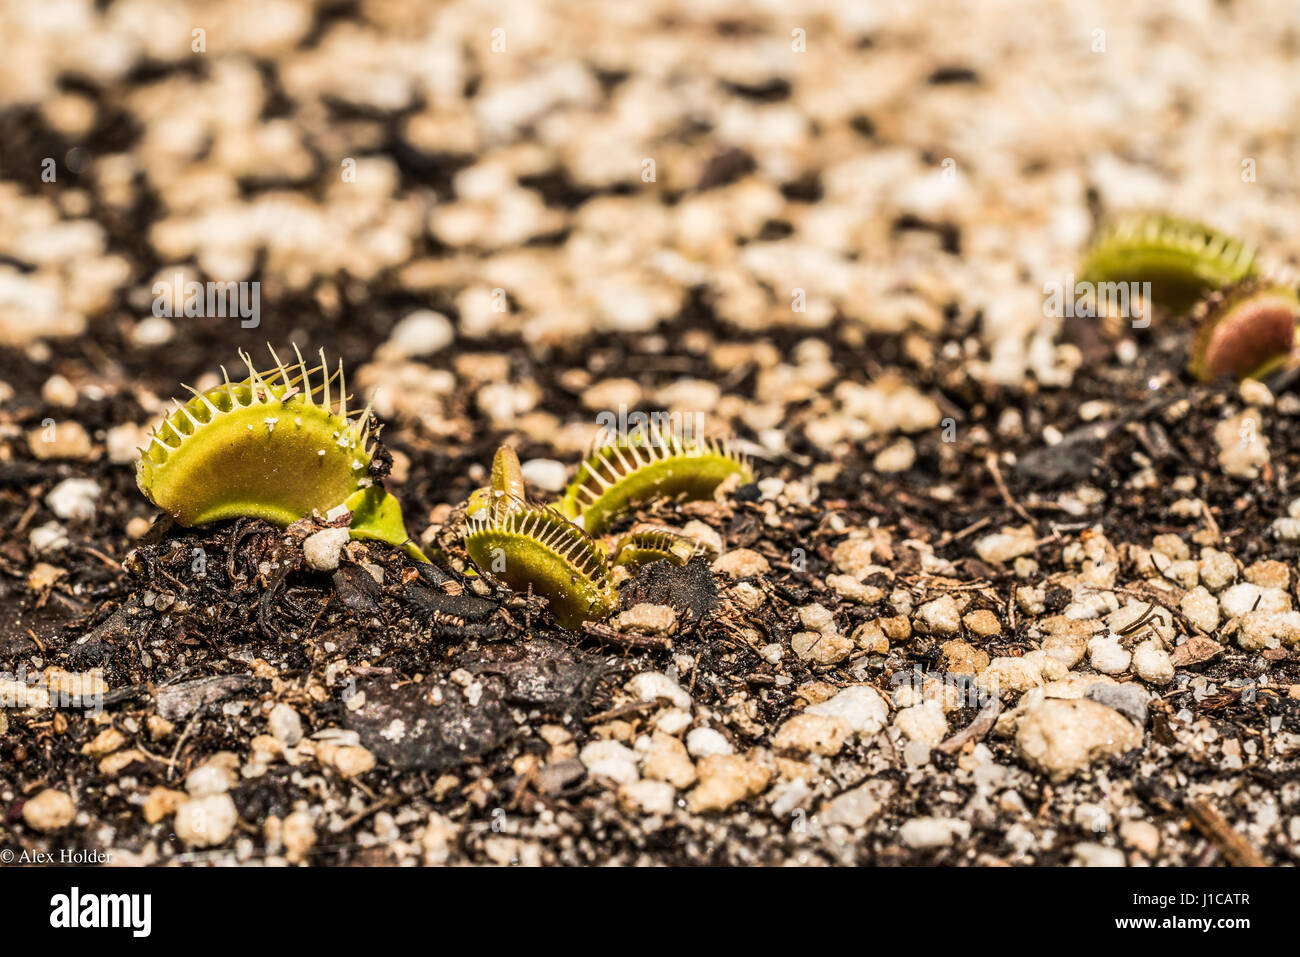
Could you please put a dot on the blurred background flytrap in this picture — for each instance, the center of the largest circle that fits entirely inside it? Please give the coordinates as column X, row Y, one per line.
column 989, row 552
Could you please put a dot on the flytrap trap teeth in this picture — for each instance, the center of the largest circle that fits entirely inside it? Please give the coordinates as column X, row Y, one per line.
column 651, row 463
column 647, row 544
column 1182, row 259
column 534, row 547
column 278, row 445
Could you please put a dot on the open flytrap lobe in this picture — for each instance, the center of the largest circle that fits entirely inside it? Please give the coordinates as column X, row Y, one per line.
column 278, row 445
column 535, row 547
column 650, row 463
column 1248, row 331
column 646, row 544
column 1182, row 259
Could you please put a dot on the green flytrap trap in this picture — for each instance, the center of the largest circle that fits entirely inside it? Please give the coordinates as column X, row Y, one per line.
column 1244, row 320
column 278, row 445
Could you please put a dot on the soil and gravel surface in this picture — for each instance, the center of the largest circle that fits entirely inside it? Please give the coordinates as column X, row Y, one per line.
column 1008, row 589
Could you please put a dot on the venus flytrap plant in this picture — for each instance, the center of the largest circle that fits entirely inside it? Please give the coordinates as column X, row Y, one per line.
column 1248, row 331
column 535, row 547
column 1183, row 260
column 1245, row 320
column 529, row 546
column 276, row 446
column 648, row 464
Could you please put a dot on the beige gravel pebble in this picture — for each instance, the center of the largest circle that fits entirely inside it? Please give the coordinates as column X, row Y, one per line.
column 108, row 740
column 1010, row 543
column 159, row 727
column 1141, row 836
column 856, row 807
column 897, row 628
column 419, row 333
column 929, row 832
column 846, row 586
column 298, row 833
column 63, row 440
column 348, row 760
column 57, row 390
column 1201, row 608
column 322, row 550
column 138, row 527
column 1051, row 668
column 285, row 724
column 50, row 810
column 1245, row 598
column 673, row 720
column 942, row 616
column 1067, row 638
column 1171, row 546
column 1008, row 675
column 816, row 618
column 667, row 760
column 217, row 775
column 705, row 536
column 1268, row 629
column 1061, row 737
column 206, row 821
column 1107, row 655
column 962, row 658
column 824, row 649
column 546, row 475
column 726, row 779
column 860, row 706
column 855, row 556
column 816, row 734
column 1268, row 573
column 123, row 442
column 897, row 457
column 701, row 742
column 610, row 394
column 43, row 575
column 1092, row 854
column 1218, row 569
column 117, row 762
column 1243, row 445
column 610, row 759
column 162, row 803
column 983, row 623
column 649, row 685
column 646, row 618
column 869, row 636
column 924, row 723
column 647, row 797
column 741, row 563
column 1152, row 663
column 74, row 499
